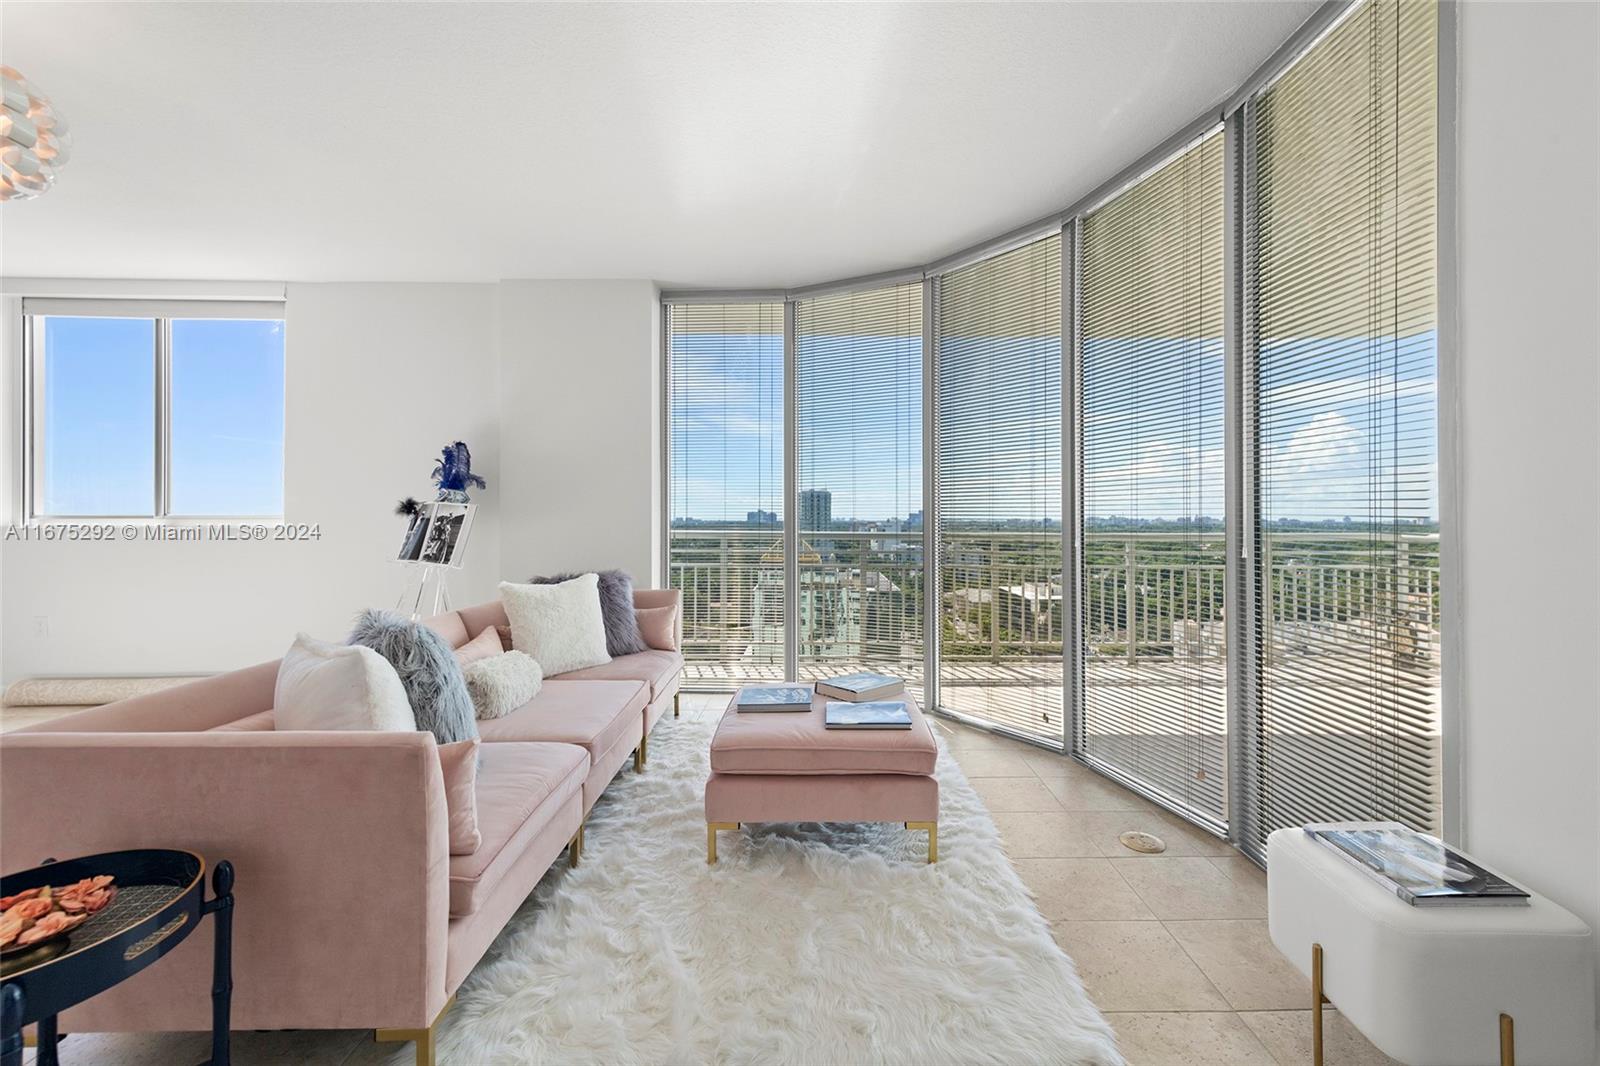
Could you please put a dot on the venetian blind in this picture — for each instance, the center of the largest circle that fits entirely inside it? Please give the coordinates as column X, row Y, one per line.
column 998, row 366
column 725, row 454
column 1152, row 472
column 858, row 398
column 1340, row 309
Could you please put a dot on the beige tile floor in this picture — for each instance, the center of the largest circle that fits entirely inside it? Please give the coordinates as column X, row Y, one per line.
column 1172, row 947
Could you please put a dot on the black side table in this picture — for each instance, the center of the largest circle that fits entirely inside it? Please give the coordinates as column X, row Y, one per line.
column 160, row 900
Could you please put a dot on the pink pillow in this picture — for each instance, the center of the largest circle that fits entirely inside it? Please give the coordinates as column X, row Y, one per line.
column 656, row 625
column 481, row 646
column 459, row 761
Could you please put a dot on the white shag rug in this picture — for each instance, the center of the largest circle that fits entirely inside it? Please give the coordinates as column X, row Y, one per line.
column 805, row 944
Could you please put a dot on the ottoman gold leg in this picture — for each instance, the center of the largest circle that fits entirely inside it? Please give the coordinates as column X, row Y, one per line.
column 933, row 837
column 711, row 839
column 1317, row 1000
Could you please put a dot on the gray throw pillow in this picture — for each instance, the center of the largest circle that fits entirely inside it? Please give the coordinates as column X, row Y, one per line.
column 616, row 609
column 428, row 672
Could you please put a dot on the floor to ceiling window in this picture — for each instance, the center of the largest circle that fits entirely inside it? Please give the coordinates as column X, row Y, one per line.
column 725, row 545
column 1346, row 708
column 997, row 357
column 858, row 441
column 1154, row 558
column 1264, row 377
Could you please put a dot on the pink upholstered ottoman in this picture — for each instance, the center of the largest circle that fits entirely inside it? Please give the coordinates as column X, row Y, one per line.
column 785, row 766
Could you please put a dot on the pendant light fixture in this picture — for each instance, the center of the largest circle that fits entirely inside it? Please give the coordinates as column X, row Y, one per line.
column 33, row 139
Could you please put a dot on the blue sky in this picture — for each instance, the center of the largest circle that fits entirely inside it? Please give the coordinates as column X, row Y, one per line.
column 99, row 416
column 1153, row 447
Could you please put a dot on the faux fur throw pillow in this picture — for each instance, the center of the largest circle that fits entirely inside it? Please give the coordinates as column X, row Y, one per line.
column 428, row 670
column 558, row 625
column 502, row 683
column 616, row 607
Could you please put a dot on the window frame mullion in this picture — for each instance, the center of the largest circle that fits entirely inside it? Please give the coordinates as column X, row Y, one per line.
column 163, row 418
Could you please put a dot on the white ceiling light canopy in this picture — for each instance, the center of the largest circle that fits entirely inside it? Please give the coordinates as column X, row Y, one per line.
column 33, row 138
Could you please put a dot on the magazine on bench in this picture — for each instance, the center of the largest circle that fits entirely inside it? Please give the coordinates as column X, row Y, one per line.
column 775, row 698
column 1419, row 869
column 880, row 715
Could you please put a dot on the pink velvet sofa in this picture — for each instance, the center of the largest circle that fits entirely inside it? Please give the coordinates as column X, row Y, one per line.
column 351, row 912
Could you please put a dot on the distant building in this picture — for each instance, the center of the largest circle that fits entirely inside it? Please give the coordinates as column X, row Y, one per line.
column 914, row 520
column 760, row 518
column 816, row 510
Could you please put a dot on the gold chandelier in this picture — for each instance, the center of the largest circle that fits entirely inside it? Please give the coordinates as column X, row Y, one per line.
column 33, row 139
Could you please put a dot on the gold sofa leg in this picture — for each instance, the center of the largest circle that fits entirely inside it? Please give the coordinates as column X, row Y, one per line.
column 711, row 839
column 933, row 838
column 423, row 1038
column 639, row 754
column 1508, row 1041
column 575, row 847
column 675, row 696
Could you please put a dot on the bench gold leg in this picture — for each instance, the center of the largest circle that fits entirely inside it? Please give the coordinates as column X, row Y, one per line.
column 711, row 839
column 423, row 1038
column 1317, row 1000
column 1508, row 1041
column 933, row 837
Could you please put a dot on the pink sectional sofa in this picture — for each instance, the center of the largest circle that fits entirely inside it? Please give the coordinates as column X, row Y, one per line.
column 351, row 912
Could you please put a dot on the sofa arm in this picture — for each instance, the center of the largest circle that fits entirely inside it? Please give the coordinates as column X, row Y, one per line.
column 663, row 598
column 340, row 846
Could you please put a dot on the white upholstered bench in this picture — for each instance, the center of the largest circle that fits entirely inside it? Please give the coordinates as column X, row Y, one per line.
column 1432, row 986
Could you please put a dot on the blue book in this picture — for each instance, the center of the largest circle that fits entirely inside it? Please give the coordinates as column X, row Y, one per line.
column 861, row 687
column 775, row 698
column 882, row 714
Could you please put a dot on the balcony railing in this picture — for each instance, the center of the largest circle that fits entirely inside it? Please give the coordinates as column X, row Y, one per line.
column 1150, row 598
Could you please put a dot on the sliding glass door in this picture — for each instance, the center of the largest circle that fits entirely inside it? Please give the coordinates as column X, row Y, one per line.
column 1154, row 559
column 1345, row 712
column 858, row 461
column 726, row 498
column 998, row 400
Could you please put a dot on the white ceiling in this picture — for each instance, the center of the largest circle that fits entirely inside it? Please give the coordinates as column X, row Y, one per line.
column 696, row 144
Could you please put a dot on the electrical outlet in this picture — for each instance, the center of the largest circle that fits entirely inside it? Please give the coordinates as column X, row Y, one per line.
column 41, row 625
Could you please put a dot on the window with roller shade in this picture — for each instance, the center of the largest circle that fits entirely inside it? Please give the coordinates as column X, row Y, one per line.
column 1152, row 477
column 1341, row 347
column 858, row 400
column 725, row 456
column 998, row 366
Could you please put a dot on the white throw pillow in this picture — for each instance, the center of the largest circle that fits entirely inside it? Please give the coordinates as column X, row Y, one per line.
column 502, row 683
column 339, row 686
column 560, row 626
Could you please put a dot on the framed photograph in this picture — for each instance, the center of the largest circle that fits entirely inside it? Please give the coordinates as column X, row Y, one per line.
column 416, row 535
column 445, row 542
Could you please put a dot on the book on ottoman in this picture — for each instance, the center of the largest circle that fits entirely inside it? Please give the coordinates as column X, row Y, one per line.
column 775, row 698
column 877, row 715
column 861, row 687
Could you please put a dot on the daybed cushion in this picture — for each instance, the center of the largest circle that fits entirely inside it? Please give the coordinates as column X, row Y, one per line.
column 595, row 715
column 655, row 668
column 520, row 788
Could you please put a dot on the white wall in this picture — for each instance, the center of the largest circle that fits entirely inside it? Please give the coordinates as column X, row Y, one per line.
column 1529, row 184
column 379, row 378
column 580, row 427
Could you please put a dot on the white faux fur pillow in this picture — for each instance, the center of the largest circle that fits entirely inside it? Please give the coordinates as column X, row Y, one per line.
column 502, row 683
column 339, row 686
column 560, row 626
